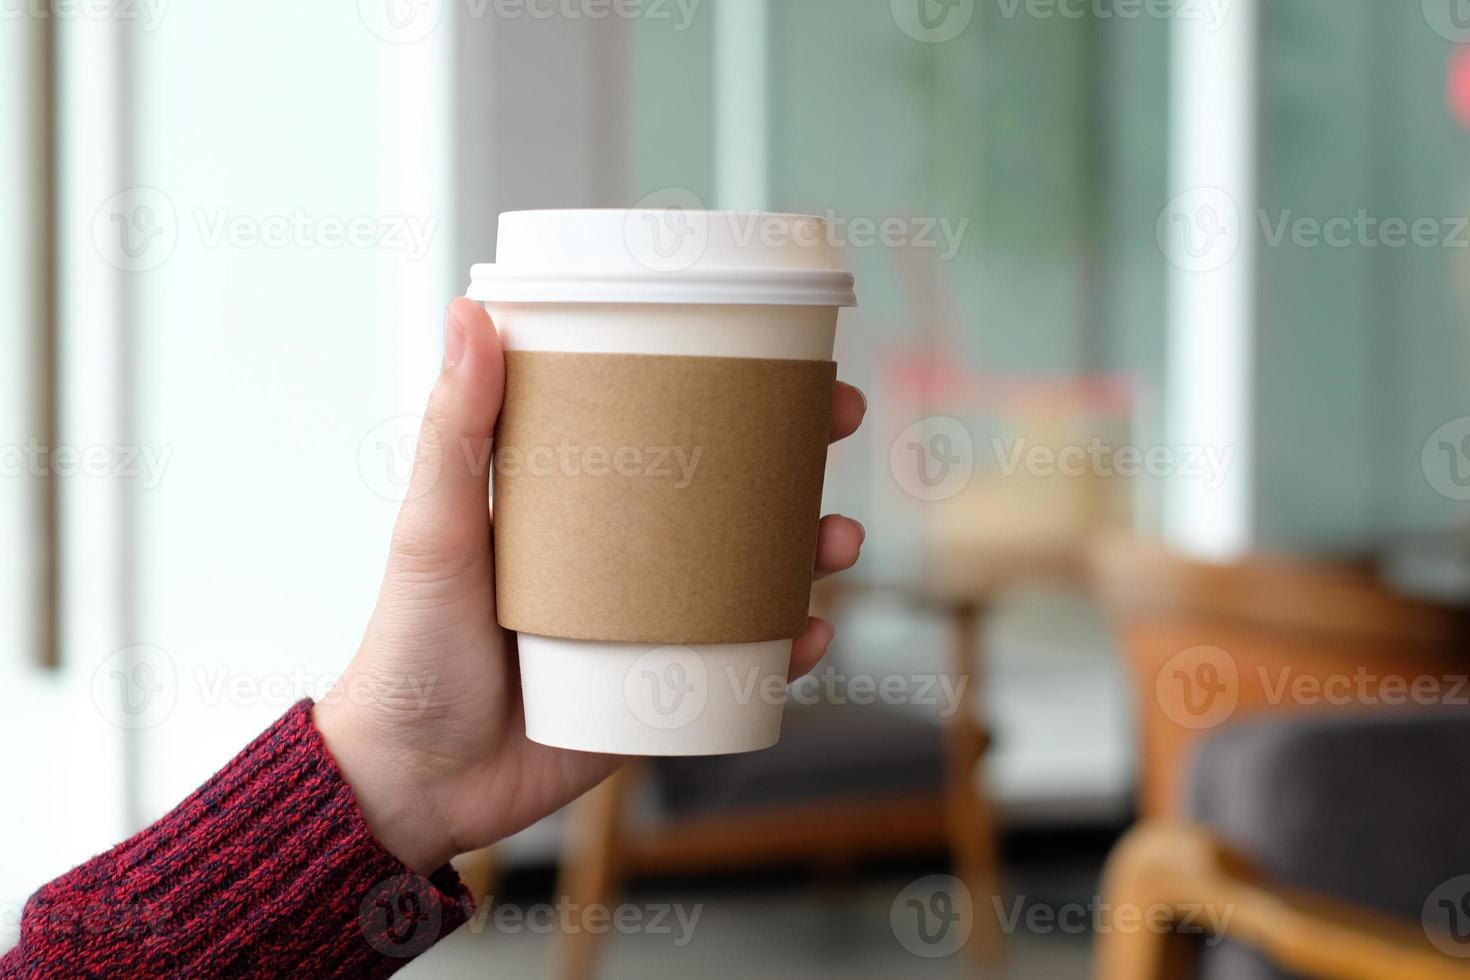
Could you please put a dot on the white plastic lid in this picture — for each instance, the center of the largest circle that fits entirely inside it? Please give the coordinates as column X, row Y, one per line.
column 662, row 255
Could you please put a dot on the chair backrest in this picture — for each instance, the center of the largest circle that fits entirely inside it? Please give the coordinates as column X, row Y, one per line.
column 1318, row 601
column 1368, row 808
column 1287, row 635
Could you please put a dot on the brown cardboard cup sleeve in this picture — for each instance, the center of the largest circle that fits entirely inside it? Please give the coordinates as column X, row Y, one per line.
column 659, row 499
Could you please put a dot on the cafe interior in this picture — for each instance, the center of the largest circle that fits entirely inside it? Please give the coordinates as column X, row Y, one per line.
column 1157, row 659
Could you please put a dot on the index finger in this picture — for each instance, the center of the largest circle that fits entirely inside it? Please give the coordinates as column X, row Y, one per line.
column 849, row 405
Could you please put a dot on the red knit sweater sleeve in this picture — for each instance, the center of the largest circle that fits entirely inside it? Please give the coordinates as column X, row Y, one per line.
column 268, row 870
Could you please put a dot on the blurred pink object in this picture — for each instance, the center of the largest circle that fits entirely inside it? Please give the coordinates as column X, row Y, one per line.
column 1457, row 91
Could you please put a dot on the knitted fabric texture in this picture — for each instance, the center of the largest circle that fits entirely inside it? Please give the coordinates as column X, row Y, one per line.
column 268, row 870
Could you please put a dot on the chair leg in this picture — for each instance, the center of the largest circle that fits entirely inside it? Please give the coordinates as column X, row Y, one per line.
column 1138, row 875
column 972, row 845
column 480, row 872
column 591, row 873
column 970, row 818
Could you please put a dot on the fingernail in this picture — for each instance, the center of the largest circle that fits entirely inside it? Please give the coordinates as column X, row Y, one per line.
column 862, row 531
column 453, row 340
column 863, row 396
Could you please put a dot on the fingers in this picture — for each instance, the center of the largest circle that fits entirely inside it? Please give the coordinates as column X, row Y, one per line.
column 810, row 647
column 839, row 539
column 839, row 543
column 444, row 515
column 849, row 405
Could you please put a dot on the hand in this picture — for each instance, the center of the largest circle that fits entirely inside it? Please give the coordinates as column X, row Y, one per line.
column 427, row 723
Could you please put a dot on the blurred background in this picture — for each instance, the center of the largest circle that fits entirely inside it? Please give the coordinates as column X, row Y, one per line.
column 1165, row 332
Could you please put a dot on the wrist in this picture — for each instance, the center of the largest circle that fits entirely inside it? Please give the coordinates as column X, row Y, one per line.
column 397, row 799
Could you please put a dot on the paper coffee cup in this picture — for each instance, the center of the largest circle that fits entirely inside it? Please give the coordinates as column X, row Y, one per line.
column 755, row 298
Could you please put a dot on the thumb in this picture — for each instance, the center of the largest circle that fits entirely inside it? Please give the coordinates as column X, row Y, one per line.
column 445, row 517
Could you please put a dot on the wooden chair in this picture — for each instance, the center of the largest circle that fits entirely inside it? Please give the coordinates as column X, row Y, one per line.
column 605, row 846
column 1326, row 845
column 1279, row 624
column 1182, row 869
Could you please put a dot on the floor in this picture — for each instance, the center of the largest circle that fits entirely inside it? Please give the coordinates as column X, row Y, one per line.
column 804, row 928
column 808, row 937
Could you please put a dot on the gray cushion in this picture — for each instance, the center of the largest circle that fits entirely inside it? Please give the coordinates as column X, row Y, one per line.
column 825, row 753
column 1368, row 807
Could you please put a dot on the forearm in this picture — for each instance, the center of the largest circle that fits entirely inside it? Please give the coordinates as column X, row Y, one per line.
column 269, row 869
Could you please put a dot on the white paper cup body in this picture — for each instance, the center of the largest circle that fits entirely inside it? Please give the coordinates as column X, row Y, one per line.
column 655, row 699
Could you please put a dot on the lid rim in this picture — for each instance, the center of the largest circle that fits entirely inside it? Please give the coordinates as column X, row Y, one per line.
column 490, row 282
